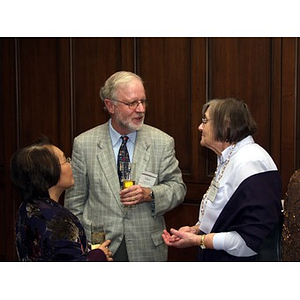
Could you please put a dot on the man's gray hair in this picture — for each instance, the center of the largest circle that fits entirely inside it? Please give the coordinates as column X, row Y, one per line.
column 108, row 91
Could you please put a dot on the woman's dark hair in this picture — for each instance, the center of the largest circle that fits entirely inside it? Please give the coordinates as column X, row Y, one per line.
column 34, row 169
column 231, row 119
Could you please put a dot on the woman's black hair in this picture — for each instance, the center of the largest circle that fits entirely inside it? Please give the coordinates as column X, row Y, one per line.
column 34, row 169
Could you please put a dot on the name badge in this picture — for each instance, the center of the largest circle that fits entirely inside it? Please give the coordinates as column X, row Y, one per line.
column 213, row 191
column 147, row 179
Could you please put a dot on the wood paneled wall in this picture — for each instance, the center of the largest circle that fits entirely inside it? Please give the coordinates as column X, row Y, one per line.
column 51, row 86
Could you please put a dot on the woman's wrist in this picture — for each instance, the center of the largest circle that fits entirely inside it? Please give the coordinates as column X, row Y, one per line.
column 205, row 241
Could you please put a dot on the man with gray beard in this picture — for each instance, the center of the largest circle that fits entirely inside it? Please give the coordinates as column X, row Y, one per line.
column 134, row 216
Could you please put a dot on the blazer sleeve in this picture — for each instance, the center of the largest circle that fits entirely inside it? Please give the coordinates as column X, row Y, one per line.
column 170, row 190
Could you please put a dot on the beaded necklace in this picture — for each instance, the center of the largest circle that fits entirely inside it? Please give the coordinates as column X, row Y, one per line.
column 214, row 185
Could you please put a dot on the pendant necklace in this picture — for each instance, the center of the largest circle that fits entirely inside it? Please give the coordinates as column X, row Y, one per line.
column 211, row 193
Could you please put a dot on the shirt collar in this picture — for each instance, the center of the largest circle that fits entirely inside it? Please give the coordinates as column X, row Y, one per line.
column 225, row 153
column 115, row 136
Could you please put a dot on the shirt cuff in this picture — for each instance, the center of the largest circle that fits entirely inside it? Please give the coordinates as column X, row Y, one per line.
column 219, row 241
column 232, row 243
column 96, row 255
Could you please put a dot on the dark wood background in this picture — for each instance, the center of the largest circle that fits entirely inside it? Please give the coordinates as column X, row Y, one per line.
column 51, row 86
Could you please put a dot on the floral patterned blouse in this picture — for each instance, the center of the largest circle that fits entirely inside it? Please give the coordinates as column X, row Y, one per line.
column 47, row 231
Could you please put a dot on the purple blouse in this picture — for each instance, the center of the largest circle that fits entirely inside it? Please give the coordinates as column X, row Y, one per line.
column 47, row 231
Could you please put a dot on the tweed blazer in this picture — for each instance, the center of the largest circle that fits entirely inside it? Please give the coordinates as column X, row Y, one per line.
column 95, row 196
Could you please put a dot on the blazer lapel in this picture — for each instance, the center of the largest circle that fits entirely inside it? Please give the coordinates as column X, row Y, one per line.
column 141, row 155
column 107, row 164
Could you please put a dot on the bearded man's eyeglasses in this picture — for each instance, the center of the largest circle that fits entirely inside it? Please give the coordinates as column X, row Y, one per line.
column 134, row 104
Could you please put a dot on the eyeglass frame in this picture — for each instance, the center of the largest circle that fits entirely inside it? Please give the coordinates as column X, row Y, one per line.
column 68, row 160
column 205, row 120
column 136, row 103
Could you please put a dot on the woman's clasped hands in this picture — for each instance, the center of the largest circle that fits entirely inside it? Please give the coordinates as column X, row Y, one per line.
column 186, row 236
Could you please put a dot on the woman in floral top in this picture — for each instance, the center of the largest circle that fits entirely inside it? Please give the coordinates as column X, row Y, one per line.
column 45, row 230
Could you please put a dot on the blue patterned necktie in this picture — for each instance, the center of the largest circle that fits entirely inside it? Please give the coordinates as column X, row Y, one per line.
column 123, row 156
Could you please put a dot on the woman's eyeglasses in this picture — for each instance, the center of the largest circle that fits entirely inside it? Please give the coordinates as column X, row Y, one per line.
column 204, row 120
column 68, row 160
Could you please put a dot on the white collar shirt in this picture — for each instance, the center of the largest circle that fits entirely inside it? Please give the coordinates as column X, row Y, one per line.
column 117, row 141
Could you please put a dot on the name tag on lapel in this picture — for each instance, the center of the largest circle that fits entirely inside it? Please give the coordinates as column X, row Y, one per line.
column 147, row 179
